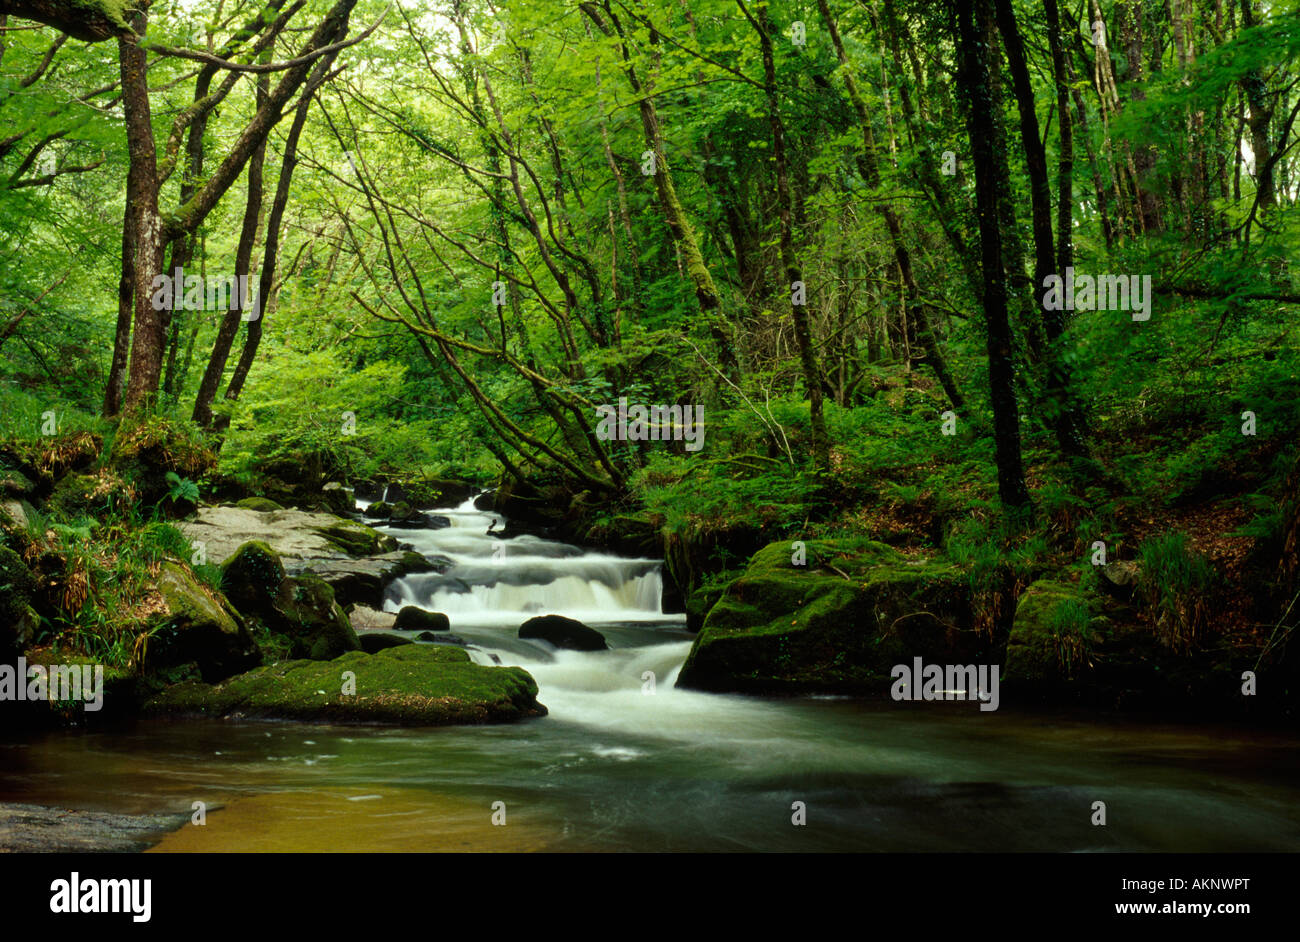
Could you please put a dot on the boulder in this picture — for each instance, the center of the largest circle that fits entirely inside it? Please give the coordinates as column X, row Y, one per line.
column 14, row 515
column 17, row 620
column 836, row 624
column 295, row 534
column 1119, row 578
column 13, row 483
column 1054, row 636
column 145, row 452
column 315, row 624
column 411, row 618
column 263, row 504
column 337, row 500
column 301, row 608
column 379, row 510
column 363, row 616
column 563, row 633
column 199, row 626
column 410, row 685
column 432, row 492
column 362, row 581
column 373, row 642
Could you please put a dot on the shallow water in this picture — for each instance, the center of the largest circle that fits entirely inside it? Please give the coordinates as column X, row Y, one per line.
column 624, row 764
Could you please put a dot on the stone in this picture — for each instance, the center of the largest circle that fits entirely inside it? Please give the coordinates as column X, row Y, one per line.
column 413, row 618
column 408, row 685
column 198, row 626
column 374, row 641
column 835, row 625
column 563, row 632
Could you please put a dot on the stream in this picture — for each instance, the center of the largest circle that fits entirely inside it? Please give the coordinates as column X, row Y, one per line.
column 625, row 761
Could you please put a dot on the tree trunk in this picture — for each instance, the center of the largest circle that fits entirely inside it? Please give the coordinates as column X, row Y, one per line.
column 975, row 82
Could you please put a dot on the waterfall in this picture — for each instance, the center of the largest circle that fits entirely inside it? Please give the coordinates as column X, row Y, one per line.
column 489, row 581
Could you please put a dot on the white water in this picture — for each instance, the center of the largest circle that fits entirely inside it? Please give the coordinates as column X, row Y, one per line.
column 500, row 583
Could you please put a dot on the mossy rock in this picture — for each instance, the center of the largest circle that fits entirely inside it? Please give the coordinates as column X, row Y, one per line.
column 700, row 602
column 17, row 584
column 199, row 626
column 379, row 510
column 836, row 624
column 14, row 483
column 145, row 452
column 263, row 504
column 413, row 618
column 1054, row 636
column 251, row 578
column 300, row 608
column 409, row 685
column 314, row 622
column 357, row 539
column 89, row 495
column 373, row 642
column 337, row 500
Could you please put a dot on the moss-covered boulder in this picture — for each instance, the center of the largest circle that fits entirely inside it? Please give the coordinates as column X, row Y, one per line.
column 356, row 539
column 835, row 624
column 145, row 452
column 1055, row 635
column 17, row 620
column 301, row 608
column 199, row 626
column 88, row 495
column 263, row 504
column 13, row 483
column 413, row 618
column 379, row 510
column 251, row 578
column 373, row 642
column 409, row 685
column 314, row 622
column 337, row 500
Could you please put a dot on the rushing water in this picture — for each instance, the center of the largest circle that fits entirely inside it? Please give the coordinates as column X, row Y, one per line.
column 623, row 765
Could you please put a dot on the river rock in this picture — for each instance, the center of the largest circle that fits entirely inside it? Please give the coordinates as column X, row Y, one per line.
column 36, row 829
column 563, row 633
column 409, row 685
column 1119, row 578
column 292, row 534
column 263, row 504
column 431, row 492
column 301, row 608
column 337, row 500
column 13, row 483
column 17, row 620
column 379, row 510
column 199, row 627
column 363, row 616
column 413, row 618
column 375, row 641
column 1054, row 637
column 362, row 581
column 785, row 628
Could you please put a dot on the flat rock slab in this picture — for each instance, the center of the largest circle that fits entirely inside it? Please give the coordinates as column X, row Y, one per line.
column 360, row 580
column 35, row 829
column 293, row 534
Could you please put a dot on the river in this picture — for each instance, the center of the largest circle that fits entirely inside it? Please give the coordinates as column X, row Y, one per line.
column 625, row 761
